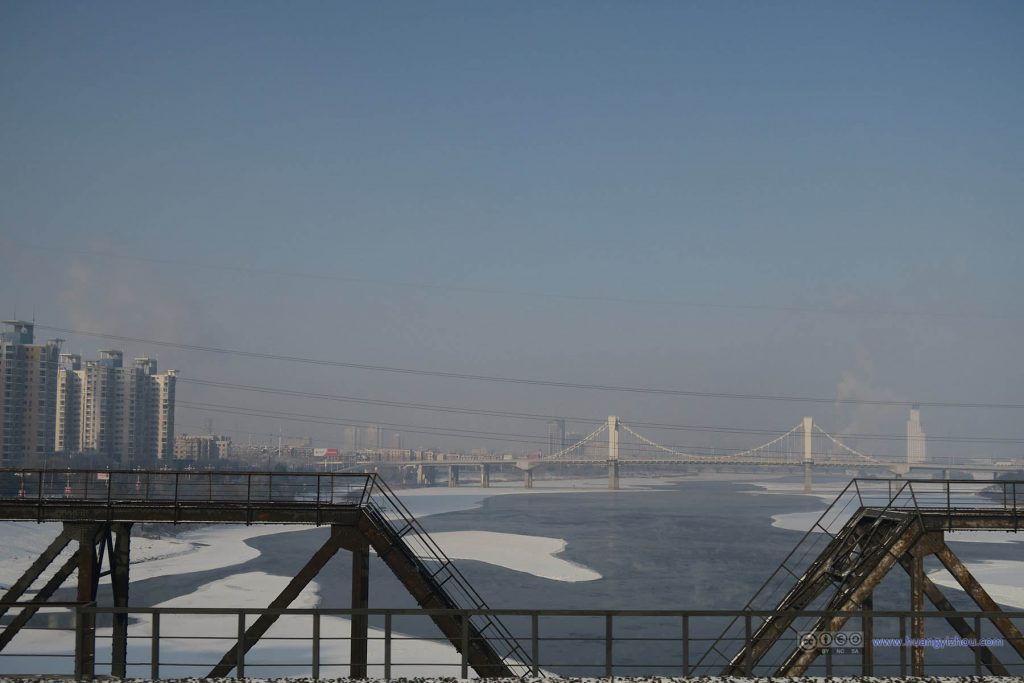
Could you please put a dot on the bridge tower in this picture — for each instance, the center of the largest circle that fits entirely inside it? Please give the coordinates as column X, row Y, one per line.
column 613, row 453
column 808, row 452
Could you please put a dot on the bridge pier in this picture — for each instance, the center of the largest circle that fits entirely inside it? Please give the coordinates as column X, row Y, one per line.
column 528, row 479
column 424, row 475
column 613, row 453
column 453, row 476
column 485, row 476
column 613, row 475
column 808, row 427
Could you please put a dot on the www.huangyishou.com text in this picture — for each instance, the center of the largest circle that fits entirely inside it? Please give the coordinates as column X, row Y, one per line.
column 937, row 643
column 852, row 641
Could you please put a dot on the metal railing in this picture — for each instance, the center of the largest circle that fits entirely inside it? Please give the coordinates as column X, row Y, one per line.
column 167, row 488
column 188, row 642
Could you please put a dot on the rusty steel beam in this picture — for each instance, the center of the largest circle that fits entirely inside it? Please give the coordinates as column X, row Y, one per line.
column 807, row 589
column 44, row 594
column 959, row 624
column 857, row 530
column 252, row 635
column 357, row 544
column 88, row 535
column 40, row 564
column 798, row 662
column 119, row 560
column 980, row 596
column 400, row 559
column 916, row 571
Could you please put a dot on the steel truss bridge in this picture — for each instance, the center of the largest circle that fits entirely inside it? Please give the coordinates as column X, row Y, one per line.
column 615, row 444
column 826, row 584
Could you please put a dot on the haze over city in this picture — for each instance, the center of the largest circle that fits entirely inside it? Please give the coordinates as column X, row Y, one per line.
column 774, row 200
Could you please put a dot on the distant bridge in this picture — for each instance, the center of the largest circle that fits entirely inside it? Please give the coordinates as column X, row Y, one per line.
column 805, row 446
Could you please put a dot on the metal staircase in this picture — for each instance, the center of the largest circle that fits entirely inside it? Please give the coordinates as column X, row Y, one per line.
column 831, row 574
column 828, row 570
column 437, row 584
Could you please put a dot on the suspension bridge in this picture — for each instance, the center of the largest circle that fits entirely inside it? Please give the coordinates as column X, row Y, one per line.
column 615, row 444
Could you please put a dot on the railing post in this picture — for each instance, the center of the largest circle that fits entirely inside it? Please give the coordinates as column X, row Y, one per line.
column 387, row 646
column 318, row 500
column 903, row 645
column 154, row 648
column 977, row 650
column 686, row 645
column 465, row 645
column 240, row 648
column 535, row 644
column 608, row 651
column 248, row 498
column 828, row 661
column 867, row 628
column 748, row 654
column 316, row 646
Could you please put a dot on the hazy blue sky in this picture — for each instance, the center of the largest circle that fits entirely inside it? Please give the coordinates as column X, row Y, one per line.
column 724, row 163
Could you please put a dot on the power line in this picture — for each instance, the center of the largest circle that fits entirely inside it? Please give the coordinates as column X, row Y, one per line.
column 433, row 407
column 528, row 381
column 490, row 291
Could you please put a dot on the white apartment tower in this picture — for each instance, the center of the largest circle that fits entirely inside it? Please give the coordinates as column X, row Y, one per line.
column 123, row 413
column 917, row 447
column 28, row 394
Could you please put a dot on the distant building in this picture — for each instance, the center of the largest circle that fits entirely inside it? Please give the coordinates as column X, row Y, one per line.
column 556, row 435
column 374, row 440
column 351, row 441
column 68, row 436
column 395, row 441
column 123, row 413
column 28, row 393
column 201, row 447
column 917, row 446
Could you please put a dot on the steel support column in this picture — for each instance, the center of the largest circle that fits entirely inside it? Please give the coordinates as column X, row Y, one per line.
column 357, row 544
column 453, row 476
column 916, row 570
column 87, row 536
column 528, row 479
column 119, row 561
column 485, row 476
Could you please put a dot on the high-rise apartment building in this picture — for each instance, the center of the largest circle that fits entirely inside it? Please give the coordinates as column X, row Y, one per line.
column 917, row 447
column 28, row 393
column 68, row 435
column 351, row 441
column 123, row 413
column 374, row 438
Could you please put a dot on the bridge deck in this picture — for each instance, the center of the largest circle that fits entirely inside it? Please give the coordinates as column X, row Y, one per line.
column 161, row 496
